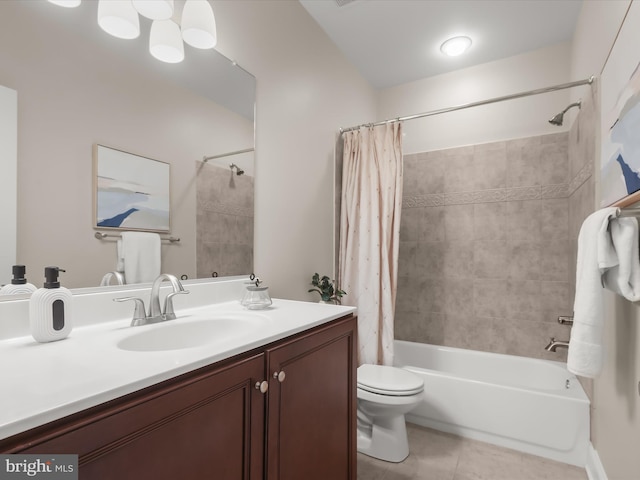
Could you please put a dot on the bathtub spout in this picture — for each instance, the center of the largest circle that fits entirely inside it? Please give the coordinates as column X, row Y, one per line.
column 554, row 344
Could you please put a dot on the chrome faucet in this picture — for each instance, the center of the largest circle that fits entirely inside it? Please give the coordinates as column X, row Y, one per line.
column 106, row 280
column 155, row 312
column 154, row 302
column 554, row 344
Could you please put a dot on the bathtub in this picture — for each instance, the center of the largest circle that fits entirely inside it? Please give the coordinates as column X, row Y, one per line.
column 534, row 406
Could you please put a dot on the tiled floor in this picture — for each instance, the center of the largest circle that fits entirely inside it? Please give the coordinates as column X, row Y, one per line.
column 436, row 455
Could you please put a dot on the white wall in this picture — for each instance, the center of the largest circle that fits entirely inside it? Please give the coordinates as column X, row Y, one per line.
column 500, row 121
column 616, row 412
column 306, row 90
column 8, row 179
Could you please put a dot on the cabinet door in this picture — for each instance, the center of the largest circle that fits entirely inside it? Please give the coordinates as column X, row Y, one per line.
column 208, row 425
column 311, row 406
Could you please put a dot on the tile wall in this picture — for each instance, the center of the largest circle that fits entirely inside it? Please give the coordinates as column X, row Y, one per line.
column 224, row 224
column 485, row 253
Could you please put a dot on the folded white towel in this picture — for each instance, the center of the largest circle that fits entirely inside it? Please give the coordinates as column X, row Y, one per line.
column 140, row 252
column 624, row 278
column 120, row 254
column 596, row 254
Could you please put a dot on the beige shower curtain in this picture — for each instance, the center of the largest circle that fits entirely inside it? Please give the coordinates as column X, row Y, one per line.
column 369, row 234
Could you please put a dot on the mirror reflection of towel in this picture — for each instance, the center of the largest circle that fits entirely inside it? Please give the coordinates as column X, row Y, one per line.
column 139, row 256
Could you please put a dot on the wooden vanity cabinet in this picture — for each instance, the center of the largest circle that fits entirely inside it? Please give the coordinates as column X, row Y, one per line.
column 311, row 407
column 214, row 423
column 207, row 424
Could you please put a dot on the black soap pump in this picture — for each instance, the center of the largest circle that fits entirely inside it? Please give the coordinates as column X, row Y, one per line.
column 51, row 309
column 18, row 283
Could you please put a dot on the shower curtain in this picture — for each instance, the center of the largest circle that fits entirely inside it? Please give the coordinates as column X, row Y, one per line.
column 370, row 233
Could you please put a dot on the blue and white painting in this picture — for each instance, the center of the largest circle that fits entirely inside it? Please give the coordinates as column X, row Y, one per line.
column 132, row 192
column 620, row 102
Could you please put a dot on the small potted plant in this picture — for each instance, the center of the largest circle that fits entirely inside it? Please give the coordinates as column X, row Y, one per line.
column 325, row 287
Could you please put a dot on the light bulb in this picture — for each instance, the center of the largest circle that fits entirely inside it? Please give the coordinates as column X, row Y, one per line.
column 199, row 24
column 165, row 42
column 154, row 9
column 118, row 18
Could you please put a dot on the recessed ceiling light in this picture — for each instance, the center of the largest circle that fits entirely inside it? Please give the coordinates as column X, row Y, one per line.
column 456, row 46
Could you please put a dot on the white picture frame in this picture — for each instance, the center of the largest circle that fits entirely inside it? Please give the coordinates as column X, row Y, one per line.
column 620, row 118
column 131, row 192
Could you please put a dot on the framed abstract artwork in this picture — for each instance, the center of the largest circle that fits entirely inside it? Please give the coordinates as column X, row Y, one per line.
column 620, row 119
column 130, row 192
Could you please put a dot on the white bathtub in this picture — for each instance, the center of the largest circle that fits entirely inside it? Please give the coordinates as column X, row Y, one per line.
column 534, row 406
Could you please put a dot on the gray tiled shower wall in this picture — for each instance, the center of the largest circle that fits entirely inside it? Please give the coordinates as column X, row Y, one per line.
column 224, row 225
column 487, row 243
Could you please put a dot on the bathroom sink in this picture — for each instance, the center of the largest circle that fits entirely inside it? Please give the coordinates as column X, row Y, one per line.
column 180, row 334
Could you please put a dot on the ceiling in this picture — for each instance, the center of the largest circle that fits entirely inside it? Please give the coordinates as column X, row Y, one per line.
column 398, row 41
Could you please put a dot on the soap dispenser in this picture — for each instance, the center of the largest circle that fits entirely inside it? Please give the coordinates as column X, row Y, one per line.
column 19, row 283
column 51, row 309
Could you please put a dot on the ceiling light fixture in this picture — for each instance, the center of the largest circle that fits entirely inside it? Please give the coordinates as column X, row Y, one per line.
column 199, row 24
column 66, row 3
column 154, row 9
column 455, row 46
column 120, row 18
column 165, row 41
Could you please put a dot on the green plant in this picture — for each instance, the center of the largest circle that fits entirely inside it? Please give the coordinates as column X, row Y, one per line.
column 325, row 287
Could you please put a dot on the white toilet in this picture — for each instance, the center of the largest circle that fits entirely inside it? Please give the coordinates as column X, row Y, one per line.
column 385, row 394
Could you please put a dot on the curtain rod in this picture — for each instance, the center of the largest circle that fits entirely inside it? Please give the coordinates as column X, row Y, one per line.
column 238, row 152
column 562, row 86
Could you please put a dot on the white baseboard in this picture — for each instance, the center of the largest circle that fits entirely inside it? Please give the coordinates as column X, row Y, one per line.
column 595, row 469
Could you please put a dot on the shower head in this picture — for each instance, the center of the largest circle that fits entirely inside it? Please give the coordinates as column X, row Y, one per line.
column 239, row 171
column 558, row 119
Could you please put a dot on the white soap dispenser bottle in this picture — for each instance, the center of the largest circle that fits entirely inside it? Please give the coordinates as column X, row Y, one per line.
column 51, row 309
column 19, row 283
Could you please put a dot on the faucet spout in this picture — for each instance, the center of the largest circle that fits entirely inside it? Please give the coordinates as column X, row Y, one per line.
column 554, row 344
column 155, row 310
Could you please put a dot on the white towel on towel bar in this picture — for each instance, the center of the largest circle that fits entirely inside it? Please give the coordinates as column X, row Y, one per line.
column 139, row 255
column 596, row 254
column 624, row 277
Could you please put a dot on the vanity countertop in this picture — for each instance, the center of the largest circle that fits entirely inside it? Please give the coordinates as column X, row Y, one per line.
column 42, row 382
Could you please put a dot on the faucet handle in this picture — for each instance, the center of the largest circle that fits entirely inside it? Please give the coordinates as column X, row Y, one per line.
column 169, row 314
column 139, row 314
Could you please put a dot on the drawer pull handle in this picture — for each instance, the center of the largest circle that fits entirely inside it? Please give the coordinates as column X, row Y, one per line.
column 280, row 376
column 262, row 386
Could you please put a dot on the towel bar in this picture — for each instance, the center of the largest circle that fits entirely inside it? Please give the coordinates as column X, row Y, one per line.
column 628, row 212
column 100, row 236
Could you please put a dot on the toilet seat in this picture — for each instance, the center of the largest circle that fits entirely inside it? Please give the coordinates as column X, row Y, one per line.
column 391, row 381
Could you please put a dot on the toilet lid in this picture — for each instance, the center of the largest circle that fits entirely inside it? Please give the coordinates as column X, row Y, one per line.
column 386, row 380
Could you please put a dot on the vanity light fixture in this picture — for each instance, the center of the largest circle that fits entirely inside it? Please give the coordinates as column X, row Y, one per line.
column 165, row 42
column 455, row 46
column 120, row 18
column 66, row 3
column 154, row 9
column 199, row 24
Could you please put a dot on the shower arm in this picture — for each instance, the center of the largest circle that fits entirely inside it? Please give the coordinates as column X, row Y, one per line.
column 575, row 104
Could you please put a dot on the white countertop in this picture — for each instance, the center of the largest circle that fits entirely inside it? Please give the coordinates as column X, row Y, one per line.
column 41, row 382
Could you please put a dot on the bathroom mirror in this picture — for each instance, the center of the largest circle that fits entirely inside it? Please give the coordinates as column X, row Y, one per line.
column 77, row 87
